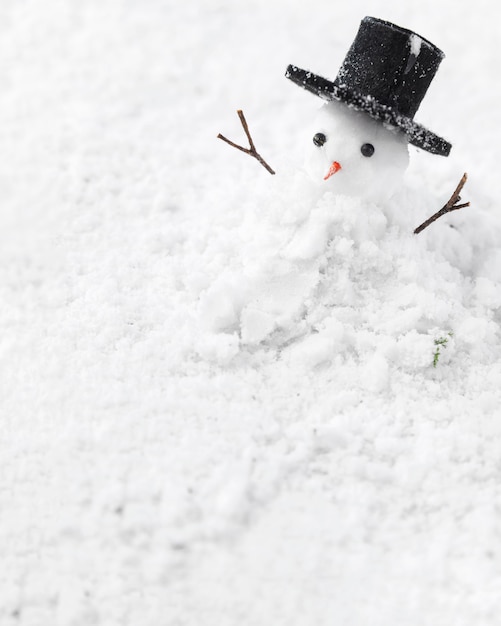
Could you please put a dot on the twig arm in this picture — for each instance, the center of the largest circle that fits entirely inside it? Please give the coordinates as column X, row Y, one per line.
column 243, row 121
column 448, row 207
column 251, row 150
column 455, row 196
column 246, row 150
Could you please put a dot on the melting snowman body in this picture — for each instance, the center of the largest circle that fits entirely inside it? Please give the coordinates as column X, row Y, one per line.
column 353, row 155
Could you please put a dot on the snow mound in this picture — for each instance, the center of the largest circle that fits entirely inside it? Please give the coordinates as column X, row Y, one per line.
column 321, row 278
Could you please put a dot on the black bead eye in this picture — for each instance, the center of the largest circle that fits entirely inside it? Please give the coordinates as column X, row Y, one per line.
column 367, row 149
column 319, row 139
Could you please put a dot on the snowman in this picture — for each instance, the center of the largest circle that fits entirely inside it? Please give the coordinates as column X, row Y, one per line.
column 312, row 256
column 359, row 142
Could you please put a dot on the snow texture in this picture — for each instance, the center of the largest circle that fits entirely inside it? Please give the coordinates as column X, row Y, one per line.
column 231, row 398
column 415, row 42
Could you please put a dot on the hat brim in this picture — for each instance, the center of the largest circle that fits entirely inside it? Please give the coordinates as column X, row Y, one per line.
column 417, row 135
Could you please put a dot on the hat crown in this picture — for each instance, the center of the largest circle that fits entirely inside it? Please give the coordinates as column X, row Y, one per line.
column 386, row 74
column 390, row 64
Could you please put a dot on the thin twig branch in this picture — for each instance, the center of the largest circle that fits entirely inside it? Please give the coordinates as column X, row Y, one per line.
column 251, row 150
column 448, row 207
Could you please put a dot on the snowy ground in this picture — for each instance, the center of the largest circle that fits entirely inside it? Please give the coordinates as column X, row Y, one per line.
column 218, row 402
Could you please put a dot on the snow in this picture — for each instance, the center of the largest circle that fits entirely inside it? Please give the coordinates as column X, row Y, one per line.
column 218, row 402
column 347, row 130
column 415, row 43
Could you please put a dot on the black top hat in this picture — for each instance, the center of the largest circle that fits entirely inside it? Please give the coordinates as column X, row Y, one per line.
column 386, row 73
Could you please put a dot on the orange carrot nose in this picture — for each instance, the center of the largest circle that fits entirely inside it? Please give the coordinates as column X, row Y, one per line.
column 335, row 167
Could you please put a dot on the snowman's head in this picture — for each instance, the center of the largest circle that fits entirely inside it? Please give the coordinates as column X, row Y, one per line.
column 352, row 154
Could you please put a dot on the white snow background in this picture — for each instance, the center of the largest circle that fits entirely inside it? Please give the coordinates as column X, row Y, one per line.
column 218, row 401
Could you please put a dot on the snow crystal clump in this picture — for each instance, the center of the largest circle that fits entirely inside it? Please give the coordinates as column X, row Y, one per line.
column 415, row 43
